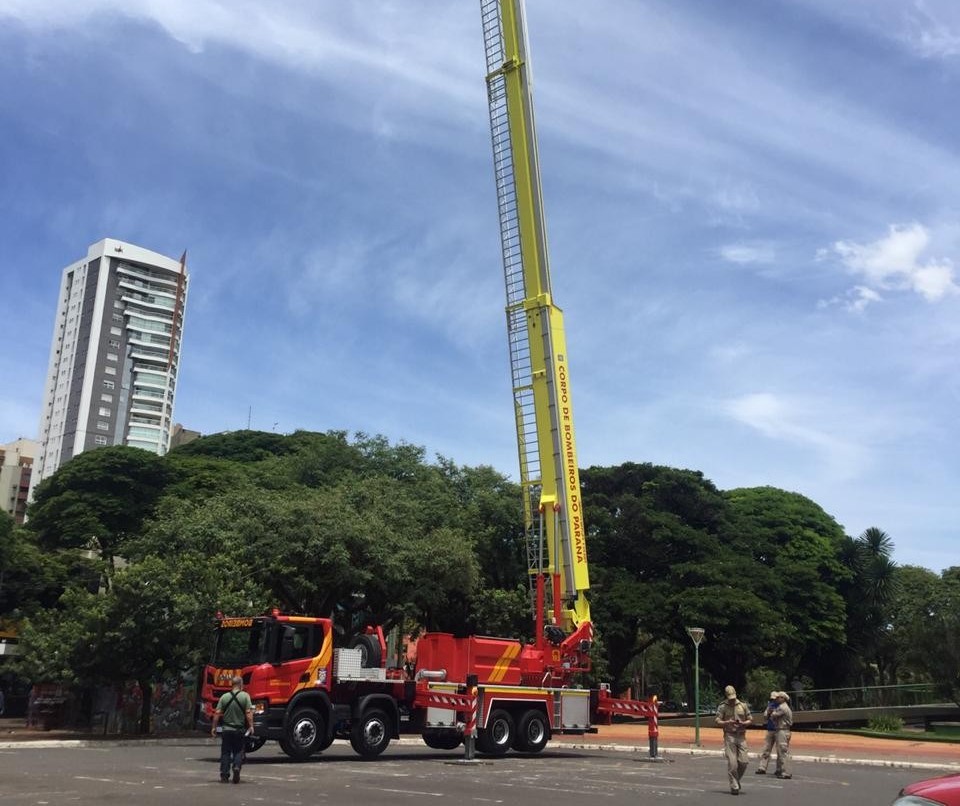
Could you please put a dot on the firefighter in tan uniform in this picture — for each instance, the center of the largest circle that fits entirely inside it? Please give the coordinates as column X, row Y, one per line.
column 782, row 717
column 734, row 717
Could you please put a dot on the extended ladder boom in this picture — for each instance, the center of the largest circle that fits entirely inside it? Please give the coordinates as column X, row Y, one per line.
column 549, row 474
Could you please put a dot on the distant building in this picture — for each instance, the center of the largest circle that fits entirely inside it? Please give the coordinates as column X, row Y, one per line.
column 115, row 354
column 181, row 436
column 16, row 466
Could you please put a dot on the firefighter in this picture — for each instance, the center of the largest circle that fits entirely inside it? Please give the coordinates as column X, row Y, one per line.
column 235, row 709
column 771, row 738
column 782, row 717
column 734, row 717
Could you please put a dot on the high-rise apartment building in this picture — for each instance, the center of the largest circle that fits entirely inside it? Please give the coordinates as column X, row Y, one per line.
column 16, row 468
column 115, row 354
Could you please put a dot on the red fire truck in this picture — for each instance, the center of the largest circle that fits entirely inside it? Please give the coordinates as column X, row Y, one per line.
column 308, row 691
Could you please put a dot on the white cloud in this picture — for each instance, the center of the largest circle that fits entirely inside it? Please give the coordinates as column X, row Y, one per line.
column 801, row 423
column 344, row 43
column 928, row 28
column 855, row 300
column 745, row 253
column 896, row 262
column 934, row 30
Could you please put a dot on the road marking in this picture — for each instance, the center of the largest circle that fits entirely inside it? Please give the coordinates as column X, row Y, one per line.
column 404, row 791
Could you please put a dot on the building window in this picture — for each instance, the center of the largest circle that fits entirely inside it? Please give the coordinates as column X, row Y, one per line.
column 105, row 398
column 104, row 411
column 99, row 439
column 118, row 318
column 110, row 370
column 102, row 425
column 112, row 357
column 114, row 344
column 108, row 384
column 115, row 331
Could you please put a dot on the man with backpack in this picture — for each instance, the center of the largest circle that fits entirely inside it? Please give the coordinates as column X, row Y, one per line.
column 235, row 710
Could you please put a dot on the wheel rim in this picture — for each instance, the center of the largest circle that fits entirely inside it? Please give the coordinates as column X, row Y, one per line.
column 373, row 732
column 535, row 732
column 500, row 732
column 304, row 733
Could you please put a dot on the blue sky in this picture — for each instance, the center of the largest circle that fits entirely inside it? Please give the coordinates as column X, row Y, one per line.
column 752, row 210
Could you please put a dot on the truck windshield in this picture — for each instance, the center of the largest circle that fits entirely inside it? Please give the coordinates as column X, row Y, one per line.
column 241, row 642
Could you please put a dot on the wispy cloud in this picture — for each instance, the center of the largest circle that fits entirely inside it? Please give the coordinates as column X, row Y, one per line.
column 747, row 253
column 799, row 422
column 895, row 262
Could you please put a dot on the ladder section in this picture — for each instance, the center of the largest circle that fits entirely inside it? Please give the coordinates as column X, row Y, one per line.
column 518, row 337
column 549, row 476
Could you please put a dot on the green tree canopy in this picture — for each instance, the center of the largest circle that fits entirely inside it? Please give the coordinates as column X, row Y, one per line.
column 98, row 499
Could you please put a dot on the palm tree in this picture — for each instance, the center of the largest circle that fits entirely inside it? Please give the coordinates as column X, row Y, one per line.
column 875, row 575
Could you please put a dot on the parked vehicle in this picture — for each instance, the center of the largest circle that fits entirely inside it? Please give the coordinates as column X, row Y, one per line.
column 941, row 791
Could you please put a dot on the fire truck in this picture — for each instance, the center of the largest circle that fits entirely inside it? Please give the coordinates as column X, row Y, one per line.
column 503, row 694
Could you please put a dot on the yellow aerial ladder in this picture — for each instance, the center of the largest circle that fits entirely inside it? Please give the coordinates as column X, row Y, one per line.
column 549, row 476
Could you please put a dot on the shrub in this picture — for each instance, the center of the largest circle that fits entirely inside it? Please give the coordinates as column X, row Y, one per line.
column 886, row 723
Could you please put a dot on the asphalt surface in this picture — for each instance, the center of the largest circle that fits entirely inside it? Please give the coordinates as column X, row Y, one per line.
column 629, row 737
column 185, row 770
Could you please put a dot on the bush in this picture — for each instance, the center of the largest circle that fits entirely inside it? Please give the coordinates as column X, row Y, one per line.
column 885, row 723
column 760, row 682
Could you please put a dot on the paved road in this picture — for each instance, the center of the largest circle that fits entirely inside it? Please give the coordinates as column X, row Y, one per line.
column 187, row 773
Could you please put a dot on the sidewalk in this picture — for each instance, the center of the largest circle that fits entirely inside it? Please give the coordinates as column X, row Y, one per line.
column 832, row 748
column 807, row 746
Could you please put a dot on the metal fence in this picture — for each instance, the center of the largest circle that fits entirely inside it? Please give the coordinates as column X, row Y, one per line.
column 820, row 699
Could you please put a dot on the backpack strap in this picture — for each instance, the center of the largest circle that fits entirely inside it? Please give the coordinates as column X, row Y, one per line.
column 235, row 700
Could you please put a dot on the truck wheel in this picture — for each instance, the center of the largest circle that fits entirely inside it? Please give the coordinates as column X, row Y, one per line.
column 325, row 743
column 304, row 735
column 370, row 734
column 369, row 650
column 533, row 733
column 446, row 740
column 497, row 737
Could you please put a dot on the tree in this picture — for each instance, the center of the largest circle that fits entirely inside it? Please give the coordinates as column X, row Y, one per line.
column 659, row 563
column 870, row 596
column 32, row 579
column 791, row 553
column 925, row 628
column 98, row 499
column 152, row 622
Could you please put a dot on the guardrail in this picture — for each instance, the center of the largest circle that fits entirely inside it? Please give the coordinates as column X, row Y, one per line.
column 825, row 699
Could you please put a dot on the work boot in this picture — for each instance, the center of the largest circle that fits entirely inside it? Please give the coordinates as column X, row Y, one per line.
column 236, row 775
column 758, row 771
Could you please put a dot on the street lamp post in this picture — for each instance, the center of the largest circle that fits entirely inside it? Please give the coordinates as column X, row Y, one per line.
column 696, row 634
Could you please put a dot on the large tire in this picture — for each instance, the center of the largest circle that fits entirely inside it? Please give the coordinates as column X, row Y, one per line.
column 370, row 655
column 305, row 733
column 325, row 743
column 533, row 732
column 497, row 737
column 371, row 734
column 443, row 740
